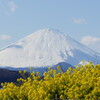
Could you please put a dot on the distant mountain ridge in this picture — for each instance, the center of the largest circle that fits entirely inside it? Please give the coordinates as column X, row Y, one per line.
column 46, row 47
column 9, row 76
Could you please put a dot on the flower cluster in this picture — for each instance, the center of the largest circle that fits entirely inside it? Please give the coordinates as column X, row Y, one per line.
column 82, row 82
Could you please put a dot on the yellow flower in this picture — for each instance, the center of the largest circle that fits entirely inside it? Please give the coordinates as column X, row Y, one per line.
column 20, row 71
column 31, row 68
column 83, row 81
column 25, row 71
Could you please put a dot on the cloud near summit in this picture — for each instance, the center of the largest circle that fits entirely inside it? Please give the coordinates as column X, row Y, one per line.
column 92, row 42
column 12, row 5
column 79, row 20
column 5, row 37
column 89, row 40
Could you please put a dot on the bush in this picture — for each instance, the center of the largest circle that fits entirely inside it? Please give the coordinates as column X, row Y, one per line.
column 83, row 82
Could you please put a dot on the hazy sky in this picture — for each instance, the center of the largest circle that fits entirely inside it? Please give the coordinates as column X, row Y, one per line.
column 78, row 18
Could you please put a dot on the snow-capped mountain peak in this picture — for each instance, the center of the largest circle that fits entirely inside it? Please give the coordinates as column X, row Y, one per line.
column 45, row 47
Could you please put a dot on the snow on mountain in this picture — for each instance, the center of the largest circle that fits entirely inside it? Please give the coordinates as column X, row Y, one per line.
column 46, row 47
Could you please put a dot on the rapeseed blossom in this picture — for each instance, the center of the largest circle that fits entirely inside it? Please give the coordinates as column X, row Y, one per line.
column 82, row 82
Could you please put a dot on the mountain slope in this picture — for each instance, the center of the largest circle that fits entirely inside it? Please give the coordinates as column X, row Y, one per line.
column 46, row 47
column 9, row 76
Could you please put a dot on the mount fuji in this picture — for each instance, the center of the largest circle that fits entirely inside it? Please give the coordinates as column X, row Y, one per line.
column 46, row 47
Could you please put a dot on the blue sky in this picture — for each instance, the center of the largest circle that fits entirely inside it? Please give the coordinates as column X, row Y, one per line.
column 78, row 18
